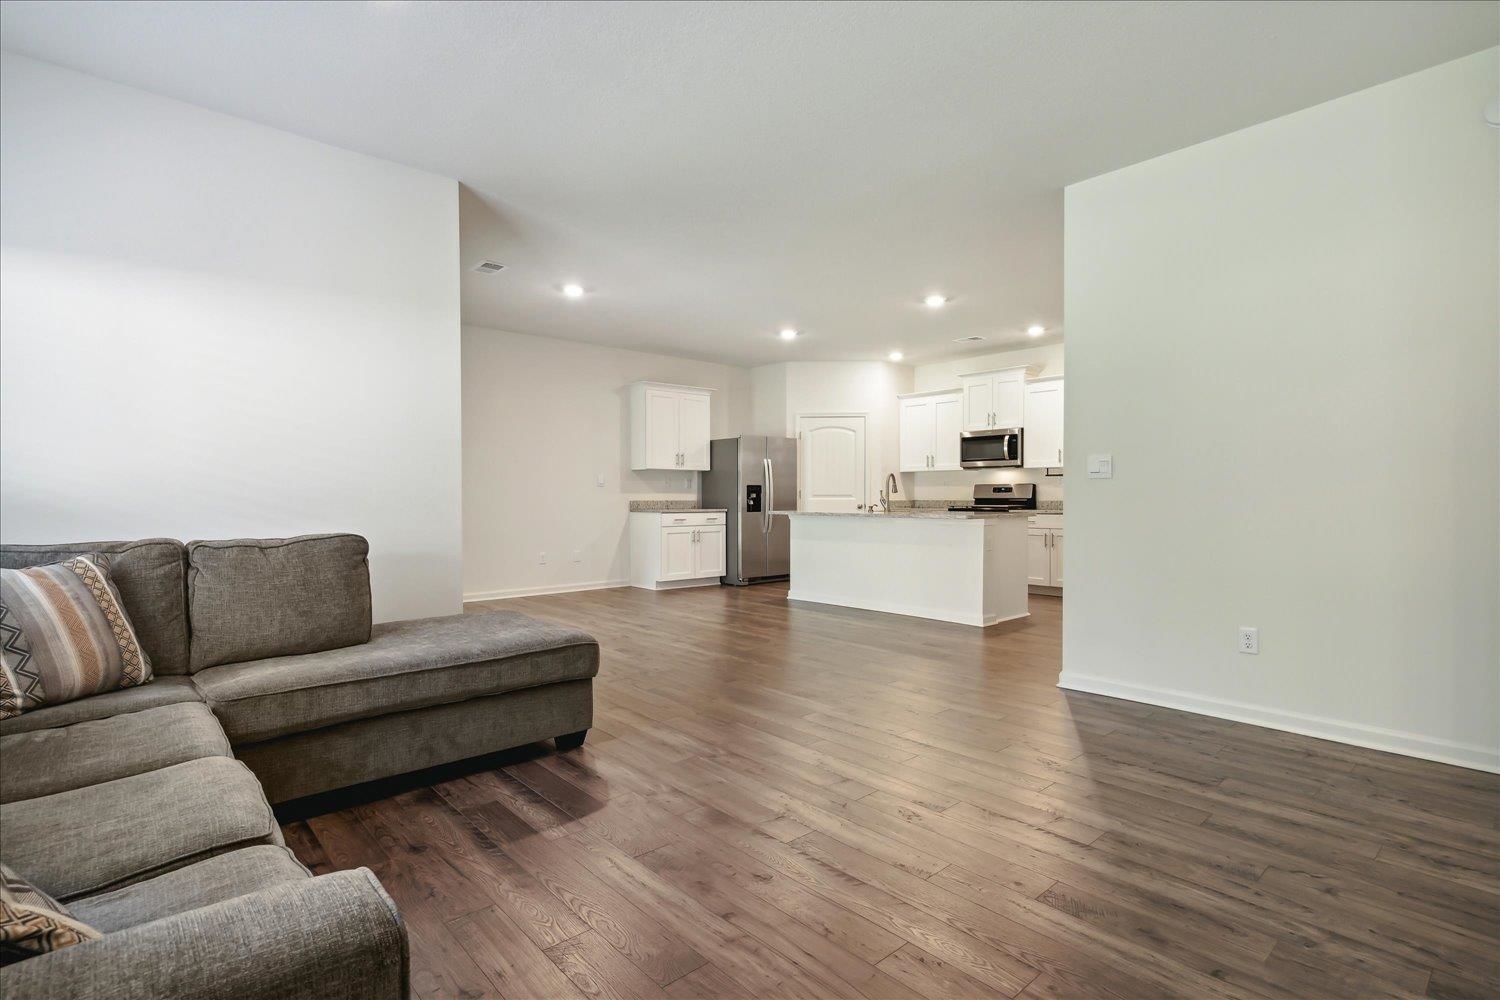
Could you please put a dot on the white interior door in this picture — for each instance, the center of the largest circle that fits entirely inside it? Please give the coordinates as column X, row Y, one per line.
column 831, row 459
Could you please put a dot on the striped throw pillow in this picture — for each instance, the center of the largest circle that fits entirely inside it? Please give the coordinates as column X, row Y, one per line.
column 64, row 635
column 33, row 923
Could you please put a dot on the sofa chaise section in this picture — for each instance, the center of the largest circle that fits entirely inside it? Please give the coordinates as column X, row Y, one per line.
column 313, row 697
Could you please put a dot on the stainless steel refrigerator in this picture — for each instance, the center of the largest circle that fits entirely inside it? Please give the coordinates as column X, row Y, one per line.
column 754, row 479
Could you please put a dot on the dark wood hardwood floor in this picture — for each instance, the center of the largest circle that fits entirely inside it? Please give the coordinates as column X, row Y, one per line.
column 793, row 801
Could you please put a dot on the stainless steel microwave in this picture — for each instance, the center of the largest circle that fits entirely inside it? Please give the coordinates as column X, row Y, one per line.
column 992, row 448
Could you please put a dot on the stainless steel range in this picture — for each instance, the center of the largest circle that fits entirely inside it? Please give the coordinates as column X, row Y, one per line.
column 1001, row 496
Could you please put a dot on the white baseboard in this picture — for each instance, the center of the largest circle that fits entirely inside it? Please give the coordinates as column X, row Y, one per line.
column 1372, row 737
column 565, row 588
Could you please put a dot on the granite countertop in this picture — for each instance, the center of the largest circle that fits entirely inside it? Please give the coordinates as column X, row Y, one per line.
column 677, row 506
column 683, row 510
column 919, row 514
column 1042, row 506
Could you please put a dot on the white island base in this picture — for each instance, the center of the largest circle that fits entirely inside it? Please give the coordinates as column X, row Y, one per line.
column 964, row 568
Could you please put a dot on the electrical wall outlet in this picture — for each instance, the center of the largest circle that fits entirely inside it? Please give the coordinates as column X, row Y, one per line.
column 578, row 555
column 1249, row 639
column 542, row 559
column 599, row 481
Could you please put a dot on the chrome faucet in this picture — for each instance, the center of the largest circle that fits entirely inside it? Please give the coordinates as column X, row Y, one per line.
column 893, row 487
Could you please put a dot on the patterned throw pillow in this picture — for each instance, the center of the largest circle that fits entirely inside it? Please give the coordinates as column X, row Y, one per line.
column 64, row 635
column 33, row 923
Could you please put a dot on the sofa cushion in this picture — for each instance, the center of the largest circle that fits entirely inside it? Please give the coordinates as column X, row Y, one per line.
column 93, row 839
column 210, row 881
column 66, row 635
column 161, row 691
column 150, row 577
column 48, row 761
column 33, row 923
column 404, row 666
column 250, row 598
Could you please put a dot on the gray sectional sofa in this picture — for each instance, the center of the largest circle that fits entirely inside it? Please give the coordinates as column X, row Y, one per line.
column 147, row 811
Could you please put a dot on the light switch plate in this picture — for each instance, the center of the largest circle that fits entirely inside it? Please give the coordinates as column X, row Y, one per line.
column 1101, row 467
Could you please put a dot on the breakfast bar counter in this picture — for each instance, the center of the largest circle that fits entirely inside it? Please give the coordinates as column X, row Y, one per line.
column 956, row 566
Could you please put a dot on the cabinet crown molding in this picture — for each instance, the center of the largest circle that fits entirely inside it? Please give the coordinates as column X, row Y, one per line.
column 648, row 383
column 1028, row 370
column 929, row 392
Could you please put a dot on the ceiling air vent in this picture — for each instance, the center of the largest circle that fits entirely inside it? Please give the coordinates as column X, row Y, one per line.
column 967, row 340
column 488, row 267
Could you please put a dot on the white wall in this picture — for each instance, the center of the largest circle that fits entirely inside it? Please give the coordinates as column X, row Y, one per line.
column 1289, row 338
column 212, row 329
column 542, row 419
column 819, row 387
column 1048, row 360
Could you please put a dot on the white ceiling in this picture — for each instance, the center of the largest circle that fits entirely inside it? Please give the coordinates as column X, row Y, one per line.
column 714, row 171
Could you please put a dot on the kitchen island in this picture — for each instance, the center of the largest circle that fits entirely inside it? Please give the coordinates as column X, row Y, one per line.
column 952, row 566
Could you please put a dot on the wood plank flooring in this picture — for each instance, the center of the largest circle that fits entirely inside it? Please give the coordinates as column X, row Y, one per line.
column 793, row 801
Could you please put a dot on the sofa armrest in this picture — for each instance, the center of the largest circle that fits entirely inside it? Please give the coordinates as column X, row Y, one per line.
column 334, row 937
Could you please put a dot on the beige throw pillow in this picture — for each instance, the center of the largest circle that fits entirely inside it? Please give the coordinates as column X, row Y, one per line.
column 64, row 635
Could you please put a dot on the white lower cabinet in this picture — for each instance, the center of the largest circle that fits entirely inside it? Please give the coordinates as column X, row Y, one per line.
column 671, row 549
column 708, row 552
column 1044, row 551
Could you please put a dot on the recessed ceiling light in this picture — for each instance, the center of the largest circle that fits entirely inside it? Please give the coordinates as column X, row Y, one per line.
column 935, row 301
column 895, row 355
column 1035, row 330
column 787, row 333
column 573, row 290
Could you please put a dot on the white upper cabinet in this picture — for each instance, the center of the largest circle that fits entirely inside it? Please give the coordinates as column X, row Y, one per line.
column 669, row 427
column 994, row 399
column 1042, row 446
column 979, row 402
column 692, row 430
column 930, row 425
column 948, row 424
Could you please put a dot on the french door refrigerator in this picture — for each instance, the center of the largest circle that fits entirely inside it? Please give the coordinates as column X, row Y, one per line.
column 755, row 480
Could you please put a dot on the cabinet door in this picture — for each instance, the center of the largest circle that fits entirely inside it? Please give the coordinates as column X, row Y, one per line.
column 1057, row 559
column 979, row 402
column 1009, row 402
column 663, row 410
column 693, row 431
column 947, row 425
column 1043, row 444
column 916, row 434
column 677, row 553
column 708, row 552
column 1038, row 557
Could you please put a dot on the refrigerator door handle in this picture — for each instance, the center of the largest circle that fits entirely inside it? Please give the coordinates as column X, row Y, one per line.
column 770, row 497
